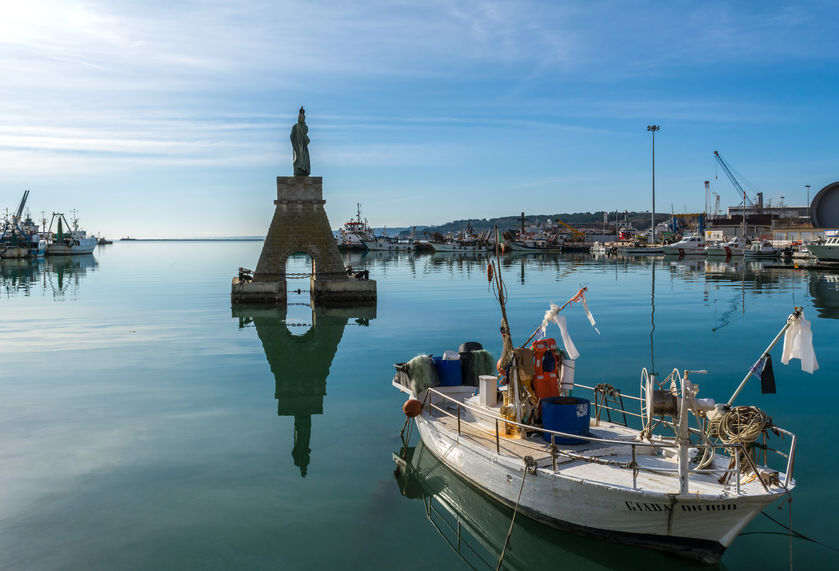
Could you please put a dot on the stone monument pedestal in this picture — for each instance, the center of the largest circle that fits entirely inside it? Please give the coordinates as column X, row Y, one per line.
column 300, row 224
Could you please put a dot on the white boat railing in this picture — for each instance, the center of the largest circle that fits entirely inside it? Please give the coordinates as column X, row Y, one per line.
column 661, row 443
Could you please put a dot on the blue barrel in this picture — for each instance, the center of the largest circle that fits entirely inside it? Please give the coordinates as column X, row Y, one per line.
column 565, row 414
column 448, row 371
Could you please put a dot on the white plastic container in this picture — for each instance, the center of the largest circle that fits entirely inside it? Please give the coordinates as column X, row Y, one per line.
column 450, row 355
column 488, row 390
column 566, row 376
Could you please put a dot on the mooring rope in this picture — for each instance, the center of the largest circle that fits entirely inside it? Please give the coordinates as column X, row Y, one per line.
column 529, row 463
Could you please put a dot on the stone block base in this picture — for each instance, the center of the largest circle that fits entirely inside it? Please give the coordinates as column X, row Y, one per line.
column 258, row 292
column 324, row 292
column 343, row 292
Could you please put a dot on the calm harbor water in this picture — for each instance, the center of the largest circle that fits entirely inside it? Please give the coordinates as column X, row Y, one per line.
column 144, row 423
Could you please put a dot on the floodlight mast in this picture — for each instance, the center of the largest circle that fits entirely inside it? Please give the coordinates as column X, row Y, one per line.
column 653, row 129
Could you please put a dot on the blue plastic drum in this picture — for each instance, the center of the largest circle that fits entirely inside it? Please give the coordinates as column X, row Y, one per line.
column 565, row 414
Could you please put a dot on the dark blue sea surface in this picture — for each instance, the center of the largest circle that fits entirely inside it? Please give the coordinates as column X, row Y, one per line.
column 144, row 423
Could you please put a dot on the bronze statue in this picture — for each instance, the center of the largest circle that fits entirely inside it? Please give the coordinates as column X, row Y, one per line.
column 300, row 145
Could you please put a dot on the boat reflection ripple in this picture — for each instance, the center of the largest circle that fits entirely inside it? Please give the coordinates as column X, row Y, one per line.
column 475, row 526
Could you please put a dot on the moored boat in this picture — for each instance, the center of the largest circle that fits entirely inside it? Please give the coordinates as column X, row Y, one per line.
column 685, row 483
column 762, row 249
column 353, row 233
column 736, row 246
column 69, row 241
column 687, row 246
column 535, row 245
column 827, row 251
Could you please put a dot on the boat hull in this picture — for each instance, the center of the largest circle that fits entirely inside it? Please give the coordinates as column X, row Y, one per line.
column 686, row 526
column 440, row 247
column 533, row 249
column 824, row 253
column 80, row 246
column 723, row 251
column 386, row 246
column 680, row 251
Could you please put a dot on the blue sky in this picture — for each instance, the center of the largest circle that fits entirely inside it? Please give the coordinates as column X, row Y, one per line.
column 171, row 119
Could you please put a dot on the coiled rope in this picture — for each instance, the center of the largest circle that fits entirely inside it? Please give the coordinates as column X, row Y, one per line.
column 740, row 425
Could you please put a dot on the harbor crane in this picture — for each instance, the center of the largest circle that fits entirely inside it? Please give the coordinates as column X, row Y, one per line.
column 579, row 235
column 22, row 204
column 731, row 177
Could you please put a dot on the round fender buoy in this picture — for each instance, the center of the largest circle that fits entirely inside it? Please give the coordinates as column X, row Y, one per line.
column 412, row 408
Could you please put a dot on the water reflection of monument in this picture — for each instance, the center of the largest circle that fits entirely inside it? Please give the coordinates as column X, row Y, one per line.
column 300, row 363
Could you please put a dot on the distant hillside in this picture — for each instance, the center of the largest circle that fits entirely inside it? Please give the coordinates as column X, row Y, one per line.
column 581, row 220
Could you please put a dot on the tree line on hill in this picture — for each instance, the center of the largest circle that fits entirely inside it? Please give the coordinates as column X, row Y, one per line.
column 579, row 220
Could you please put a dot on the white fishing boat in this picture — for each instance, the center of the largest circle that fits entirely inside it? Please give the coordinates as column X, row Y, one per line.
column 686, row 482
column 67, row 241
column 353, row 233
column 827, row 251
column 458, row 246
column 734, row 247
column 640, row 249
column 762, row 249
column 535, row 245
column 687, row 246
column 598, row 248
column 390, row 243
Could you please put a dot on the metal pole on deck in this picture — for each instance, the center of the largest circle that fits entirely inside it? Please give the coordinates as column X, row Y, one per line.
column 765, row 353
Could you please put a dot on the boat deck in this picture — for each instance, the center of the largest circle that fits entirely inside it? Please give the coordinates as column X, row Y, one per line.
column 658, row 466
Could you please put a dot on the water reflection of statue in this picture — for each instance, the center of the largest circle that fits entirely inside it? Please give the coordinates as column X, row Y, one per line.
column 300, row 363
column 300, row 145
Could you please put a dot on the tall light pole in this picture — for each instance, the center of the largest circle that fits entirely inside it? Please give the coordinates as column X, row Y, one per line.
column 807, row 186
column 653, row 129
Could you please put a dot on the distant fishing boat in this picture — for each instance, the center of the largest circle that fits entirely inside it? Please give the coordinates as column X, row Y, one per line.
column 762, row 249
column 353, row 233
column 675, row 486
column 687, row 246
column 736, row 246
column 20, row 237
column 67, row 241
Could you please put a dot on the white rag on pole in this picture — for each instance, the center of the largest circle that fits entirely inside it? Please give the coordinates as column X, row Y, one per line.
column 566, row 339
column 798, row 344
column 549, row 316
column 588, row 313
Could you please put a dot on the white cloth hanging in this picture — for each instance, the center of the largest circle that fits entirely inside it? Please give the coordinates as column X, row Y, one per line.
column 588, row 313
column 566, row 338
column 798, row 344
column 549, row 316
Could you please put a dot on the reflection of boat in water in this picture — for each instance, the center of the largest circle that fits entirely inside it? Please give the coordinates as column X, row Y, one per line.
column 60, row 275
column 824, row 288
column 475, row 526
column 686, row 490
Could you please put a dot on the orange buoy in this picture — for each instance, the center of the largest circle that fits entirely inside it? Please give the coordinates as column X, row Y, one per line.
column 412, row 408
